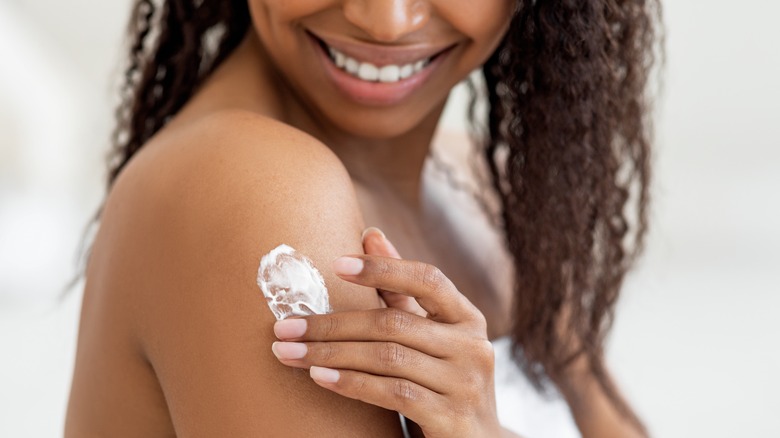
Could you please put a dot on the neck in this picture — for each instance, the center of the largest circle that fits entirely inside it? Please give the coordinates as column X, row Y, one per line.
column 392, row 166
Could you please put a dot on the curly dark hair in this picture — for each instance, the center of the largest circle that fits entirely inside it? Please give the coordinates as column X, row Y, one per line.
column 567, row 145
column 569, row 155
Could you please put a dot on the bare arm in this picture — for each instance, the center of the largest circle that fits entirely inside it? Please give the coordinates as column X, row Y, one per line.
column 196, row 217
column 595, row 415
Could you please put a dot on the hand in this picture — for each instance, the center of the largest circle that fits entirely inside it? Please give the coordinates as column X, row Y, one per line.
column 375, row 243
column 435, row 370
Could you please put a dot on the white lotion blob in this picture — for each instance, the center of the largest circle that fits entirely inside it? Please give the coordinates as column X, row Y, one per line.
column 291, row 284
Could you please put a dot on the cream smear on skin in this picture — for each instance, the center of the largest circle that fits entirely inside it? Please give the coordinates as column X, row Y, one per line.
column 291, row 284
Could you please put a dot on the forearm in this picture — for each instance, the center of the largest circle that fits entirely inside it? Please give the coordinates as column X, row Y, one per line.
column 595, row 414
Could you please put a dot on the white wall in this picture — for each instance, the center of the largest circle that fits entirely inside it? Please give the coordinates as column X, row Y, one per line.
column 696, row 343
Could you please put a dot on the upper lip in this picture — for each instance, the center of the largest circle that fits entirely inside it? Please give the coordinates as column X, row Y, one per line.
column 382, row 55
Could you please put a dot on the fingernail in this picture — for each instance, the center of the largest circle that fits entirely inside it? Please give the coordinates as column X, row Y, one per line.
column 324, row 375
column 370, row 230
column 392, row 252
column 290, row 328
column 289, row 350
column 347, row 266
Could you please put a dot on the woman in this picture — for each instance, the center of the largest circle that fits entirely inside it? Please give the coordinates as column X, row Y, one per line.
column 250, row 124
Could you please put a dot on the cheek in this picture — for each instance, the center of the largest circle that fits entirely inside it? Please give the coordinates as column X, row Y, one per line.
column 487, row 16
column 273, row 17
column 483, row 22
column 277, row 24
column 288, row 10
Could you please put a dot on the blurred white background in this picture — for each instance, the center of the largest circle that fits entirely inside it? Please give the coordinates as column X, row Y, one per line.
column 697, row 340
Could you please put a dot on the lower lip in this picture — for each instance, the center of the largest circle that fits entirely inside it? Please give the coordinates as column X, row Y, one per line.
column 376, row 93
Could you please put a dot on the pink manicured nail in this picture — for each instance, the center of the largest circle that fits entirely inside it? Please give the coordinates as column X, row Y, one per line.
column 372, row 230
column 289, row 350
column 290, row 328
column 391, row 251
column 324, row 375
column 347, row 266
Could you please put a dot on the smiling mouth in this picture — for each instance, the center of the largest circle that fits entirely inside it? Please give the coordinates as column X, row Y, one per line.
column 369, row 72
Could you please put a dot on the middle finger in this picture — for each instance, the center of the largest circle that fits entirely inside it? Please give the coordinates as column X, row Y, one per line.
column 378, row 358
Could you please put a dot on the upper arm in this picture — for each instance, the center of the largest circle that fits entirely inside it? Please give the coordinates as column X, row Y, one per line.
column 192, row 233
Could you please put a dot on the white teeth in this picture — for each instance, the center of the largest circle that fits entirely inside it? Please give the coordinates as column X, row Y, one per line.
column 406, row 71
column 352, row 66
column 368, row 72
column 341, row 60
column 371, row 73
column 389, row 73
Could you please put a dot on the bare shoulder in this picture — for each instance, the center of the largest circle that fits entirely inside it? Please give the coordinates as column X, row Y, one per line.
column 252, row 182
column 182, row 236
column 236, row 156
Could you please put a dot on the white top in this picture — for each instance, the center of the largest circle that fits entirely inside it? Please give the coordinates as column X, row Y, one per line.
column 521, row 408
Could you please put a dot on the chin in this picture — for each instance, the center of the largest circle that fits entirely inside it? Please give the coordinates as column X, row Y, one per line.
column 378, row 125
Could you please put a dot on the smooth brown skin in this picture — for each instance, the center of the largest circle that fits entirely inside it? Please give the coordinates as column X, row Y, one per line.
column 175, row 336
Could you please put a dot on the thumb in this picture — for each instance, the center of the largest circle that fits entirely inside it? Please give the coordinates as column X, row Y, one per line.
column 375, row 243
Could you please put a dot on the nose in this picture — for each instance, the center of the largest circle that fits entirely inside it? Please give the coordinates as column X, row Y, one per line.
column 387, row 20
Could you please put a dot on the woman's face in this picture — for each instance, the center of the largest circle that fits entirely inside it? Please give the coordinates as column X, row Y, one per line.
column 377, row 68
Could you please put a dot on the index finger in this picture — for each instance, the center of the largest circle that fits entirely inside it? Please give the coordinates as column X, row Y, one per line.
column 426, row 283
